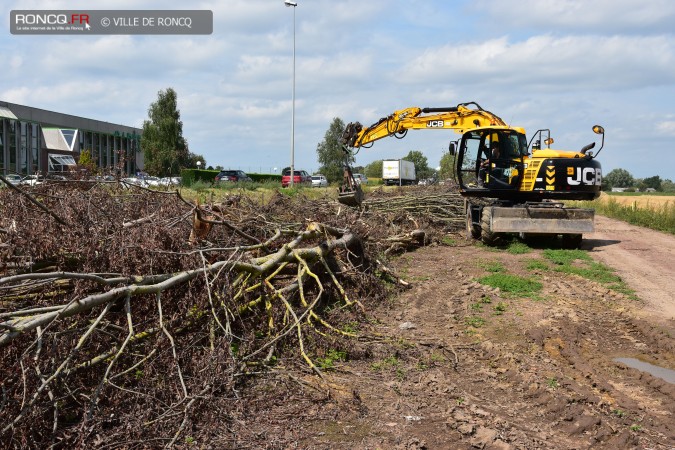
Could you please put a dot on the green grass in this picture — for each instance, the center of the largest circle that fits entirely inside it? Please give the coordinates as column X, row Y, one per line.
column 536, row 264
column 500, row 308
column 492, row 266
column 328, row 362
column 552, row 383
column 518, row 248
column 578, row 262
column 512, row 284
column 565, row 257
column 445, row 240
column 391, row 361
column 477, row 306
column 475, row 321
column 350, row 327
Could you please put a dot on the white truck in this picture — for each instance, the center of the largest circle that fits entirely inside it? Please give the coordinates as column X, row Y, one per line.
column 398, row 172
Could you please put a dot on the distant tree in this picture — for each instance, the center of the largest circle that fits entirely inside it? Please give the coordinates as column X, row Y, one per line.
column 651, row 182
column 447, row 166
column 422, row 168
column 165, row 150
column 86, row 161
column 668, row 186
column 619, row 178
column 374, row 169
column 330, row 154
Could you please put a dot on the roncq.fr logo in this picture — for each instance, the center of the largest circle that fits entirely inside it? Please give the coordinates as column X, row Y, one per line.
column 52, row 19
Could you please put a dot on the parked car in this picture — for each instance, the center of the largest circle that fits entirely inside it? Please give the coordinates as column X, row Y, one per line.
column 13, row 179
column 151, row 181
column 360, row 178
column 32, row 180
column 136, row 181
column 109, row 178
column 56, row 177
column 319, row 180
column 170, row 181
column 232, row 175
column 299, row 177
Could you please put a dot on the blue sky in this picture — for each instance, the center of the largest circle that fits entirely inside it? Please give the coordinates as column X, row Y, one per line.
column 564, row 65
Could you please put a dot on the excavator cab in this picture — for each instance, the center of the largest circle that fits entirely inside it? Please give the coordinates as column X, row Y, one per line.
column 490, row 162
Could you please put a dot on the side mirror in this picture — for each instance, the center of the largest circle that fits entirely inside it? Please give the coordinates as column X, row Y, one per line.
column 597, row 129
column 452, row 148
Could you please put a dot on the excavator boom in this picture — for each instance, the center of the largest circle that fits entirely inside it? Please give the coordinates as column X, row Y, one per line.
column 458, row 118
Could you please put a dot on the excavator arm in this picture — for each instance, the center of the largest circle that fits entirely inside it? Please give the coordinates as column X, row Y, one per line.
column 458, row 118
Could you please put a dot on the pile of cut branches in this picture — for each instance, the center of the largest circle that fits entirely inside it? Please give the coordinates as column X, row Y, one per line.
column 124, row 311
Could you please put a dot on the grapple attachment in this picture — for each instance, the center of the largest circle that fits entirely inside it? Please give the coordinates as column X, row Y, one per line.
column 352, row 198
column 350, row 192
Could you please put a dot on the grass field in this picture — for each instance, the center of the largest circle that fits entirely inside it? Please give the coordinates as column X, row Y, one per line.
column 640, row 200
column 655, row 211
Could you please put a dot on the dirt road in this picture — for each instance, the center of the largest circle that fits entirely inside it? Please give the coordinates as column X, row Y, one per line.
column 643, row 258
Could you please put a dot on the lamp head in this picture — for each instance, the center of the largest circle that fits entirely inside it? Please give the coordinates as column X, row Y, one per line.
column 290, row 3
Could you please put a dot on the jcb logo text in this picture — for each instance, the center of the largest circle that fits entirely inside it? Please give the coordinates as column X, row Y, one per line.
column 587, row 175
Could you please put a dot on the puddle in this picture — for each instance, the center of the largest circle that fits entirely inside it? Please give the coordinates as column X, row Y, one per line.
column 656, row 371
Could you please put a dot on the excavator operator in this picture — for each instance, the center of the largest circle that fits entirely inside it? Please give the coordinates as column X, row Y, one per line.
column 489, row 157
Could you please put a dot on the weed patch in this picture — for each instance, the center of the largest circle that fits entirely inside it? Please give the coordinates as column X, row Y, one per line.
column 536, row 264
column 512, row 284
column 475, row 321
column 499, row 308
column 388, row 362
column 492, row 266
column 328, row 362
column 446, row 240
column 518, row 248
column 578, row 262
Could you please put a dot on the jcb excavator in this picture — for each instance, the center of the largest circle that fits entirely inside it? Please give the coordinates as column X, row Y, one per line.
column 510, row 185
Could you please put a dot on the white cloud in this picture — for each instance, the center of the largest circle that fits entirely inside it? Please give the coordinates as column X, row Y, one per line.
column 590, row 62
column 609, row 16
column 563, row 65
column 666, row 127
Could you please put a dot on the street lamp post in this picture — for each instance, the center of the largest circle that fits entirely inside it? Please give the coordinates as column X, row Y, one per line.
column 289, row 3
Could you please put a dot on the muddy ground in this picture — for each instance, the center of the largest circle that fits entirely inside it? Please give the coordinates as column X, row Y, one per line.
column 452, row 363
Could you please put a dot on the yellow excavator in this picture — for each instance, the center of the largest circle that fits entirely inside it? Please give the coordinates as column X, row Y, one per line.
column 510, row 184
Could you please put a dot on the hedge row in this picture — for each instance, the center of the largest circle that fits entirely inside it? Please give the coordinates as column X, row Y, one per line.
column 190, row 176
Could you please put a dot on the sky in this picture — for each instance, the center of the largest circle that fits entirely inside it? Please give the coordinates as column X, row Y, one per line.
column 563, row 65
